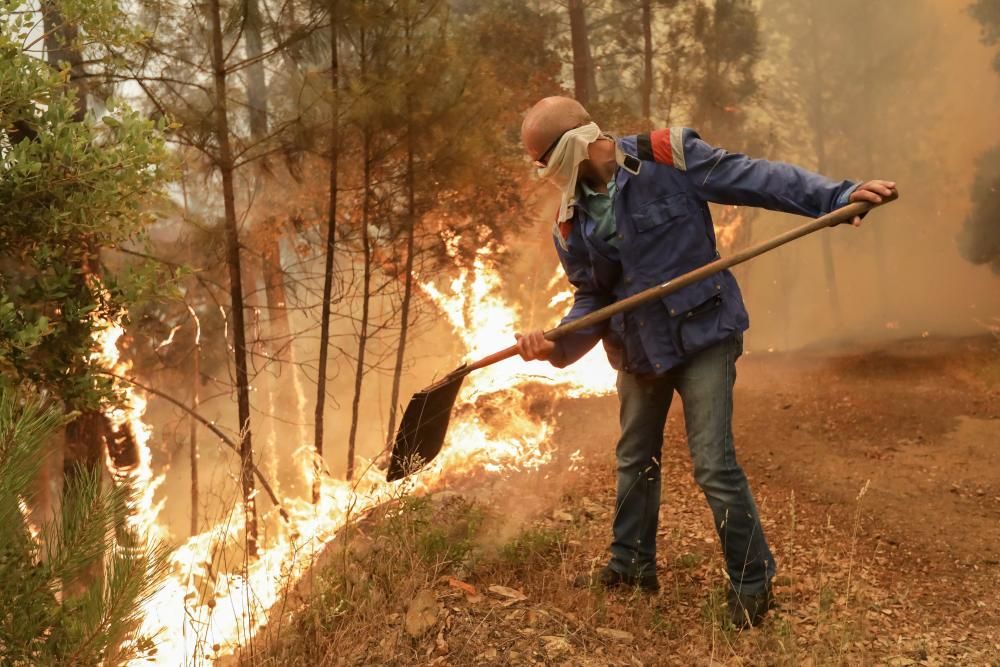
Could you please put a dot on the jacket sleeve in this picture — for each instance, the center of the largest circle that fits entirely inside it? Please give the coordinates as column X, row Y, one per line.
column 735, row 179
column 587, row 297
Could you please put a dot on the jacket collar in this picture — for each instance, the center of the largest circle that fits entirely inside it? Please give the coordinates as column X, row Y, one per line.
column 628, row 164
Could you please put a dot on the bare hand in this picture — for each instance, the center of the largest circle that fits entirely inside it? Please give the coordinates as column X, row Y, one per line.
column 533, row 345
column 872, row 191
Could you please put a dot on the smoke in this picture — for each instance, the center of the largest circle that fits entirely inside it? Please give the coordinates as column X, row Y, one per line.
column 920, row 110
column 906, row 272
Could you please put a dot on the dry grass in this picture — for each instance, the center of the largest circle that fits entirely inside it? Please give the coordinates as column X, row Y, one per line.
column 831, row 611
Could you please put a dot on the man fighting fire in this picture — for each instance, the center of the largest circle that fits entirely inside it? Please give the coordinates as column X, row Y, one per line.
column 633, row 213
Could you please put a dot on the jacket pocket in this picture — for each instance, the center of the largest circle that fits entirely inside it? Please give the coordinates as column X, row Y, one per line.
column 695, row 314
column 661, row 212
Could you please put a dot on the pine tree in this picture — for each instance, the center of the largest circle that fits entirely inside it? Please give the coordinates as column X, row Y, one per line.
column 46, row 619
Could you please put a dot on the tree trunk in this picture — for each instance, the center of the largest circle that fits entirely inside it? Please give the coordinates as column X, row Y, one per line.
column 411, row 222
column 60, row 38
column 366, row 283
column 584, row 86
column 249, row 270
column 671, row 93
column 256, row 81
column 85, row 436
column 279, row 347
column 279, row 328
column 195, row 388
column 226, row 168
column 193, row 432
column 647, row 62
column 258, row 353
column 817, row 103
column 869, row 137
column 331, row 239
column 83, row 450
column 274, row 277
column 881, row 247
column 785, row 280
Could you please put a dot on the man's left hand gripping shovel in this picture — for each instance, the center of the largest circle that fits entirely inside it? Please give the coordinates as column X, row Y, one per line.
column 425, row 422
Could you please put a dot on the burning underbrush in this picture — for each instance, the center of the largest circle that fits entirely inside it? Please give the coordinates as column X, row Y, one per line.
column 216, row 598
column 340, row 580
column 537, row 399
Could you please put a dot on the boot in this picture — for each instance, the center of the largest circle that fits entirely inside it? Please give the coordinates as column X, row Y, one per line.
column 609, row 579
column 749, row 609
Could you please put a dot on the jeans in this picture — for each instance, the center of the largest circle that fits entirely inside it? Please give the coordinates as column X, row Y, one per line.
column 705, row 385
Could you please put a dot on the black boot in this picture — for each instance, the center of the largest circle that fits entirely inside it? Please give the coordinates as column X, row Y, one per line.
column 608, row 578
column 749, row 609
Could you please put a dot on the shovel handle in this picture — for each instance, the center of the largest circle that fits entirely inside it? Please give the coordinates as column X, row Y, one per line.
column 841, row 215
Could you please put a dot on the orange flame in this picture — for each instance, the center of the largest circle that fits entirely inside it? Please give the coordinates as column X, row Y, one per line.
column 727, row 232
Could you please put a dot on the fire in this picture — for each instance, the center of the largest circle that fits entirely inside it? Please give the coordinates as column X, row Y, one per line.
column 144, row 512
column 208, row 608
column 490, row 326
column 728, row 226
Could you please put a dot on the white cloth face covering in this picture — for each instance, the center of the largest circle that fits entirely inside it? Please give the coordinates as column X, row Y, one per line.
column 564, row 164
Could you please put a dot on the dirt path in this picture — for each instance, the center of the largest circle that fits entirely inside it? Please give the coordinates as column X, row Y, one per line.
column 922, row 422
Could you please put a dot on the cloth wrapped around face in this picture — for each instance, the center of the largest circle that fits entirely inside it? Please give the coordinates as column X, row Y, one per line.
column 564, row 164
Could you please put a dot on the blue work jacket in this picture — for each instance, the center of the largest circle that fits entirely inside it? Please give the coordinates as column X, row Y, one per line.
column 664, row 229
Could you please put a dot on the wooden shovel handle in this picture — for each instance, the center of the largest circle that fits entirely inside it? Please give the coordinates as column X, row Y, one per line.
column 841, row 215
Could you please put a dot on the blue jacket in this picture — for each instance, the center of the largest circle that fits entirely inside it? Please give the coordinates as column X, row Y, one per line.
column 664, row 229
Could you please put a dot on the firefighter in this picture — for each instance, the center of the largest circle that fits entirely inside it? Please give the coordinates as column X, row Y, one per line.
column 633, row 213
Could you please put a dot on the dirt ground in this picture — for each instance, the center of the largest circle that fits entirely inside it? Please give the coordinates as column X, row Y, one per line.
column 917, row 425
column 877, row 473
column 920, row 420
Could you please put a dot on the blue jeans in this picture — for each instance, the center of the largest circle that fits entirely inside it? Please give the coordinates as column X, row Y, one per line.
column 705, row 384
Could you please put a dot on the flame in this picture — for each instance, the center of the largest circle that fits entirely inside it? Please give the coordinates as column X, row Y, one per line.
column 127, row 418
column 489, row 325
column 731, row 220
column 34, row 533
column 208, row 607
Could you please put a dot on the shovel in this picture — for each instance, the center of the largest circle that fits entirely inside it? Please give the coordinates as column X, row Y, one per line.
column 425, row 423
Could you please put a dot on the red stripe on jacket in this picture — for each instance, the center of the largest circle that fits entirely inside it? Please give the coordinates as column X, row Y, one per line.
column 662, row 152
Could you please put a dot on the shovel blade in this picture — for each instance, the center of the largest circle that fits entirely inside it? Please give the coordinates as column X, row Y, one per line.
column 423, row 427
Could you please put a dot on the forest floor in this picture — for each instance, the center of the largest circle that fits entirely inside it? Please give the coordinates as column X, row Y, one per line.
column 877, row 474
